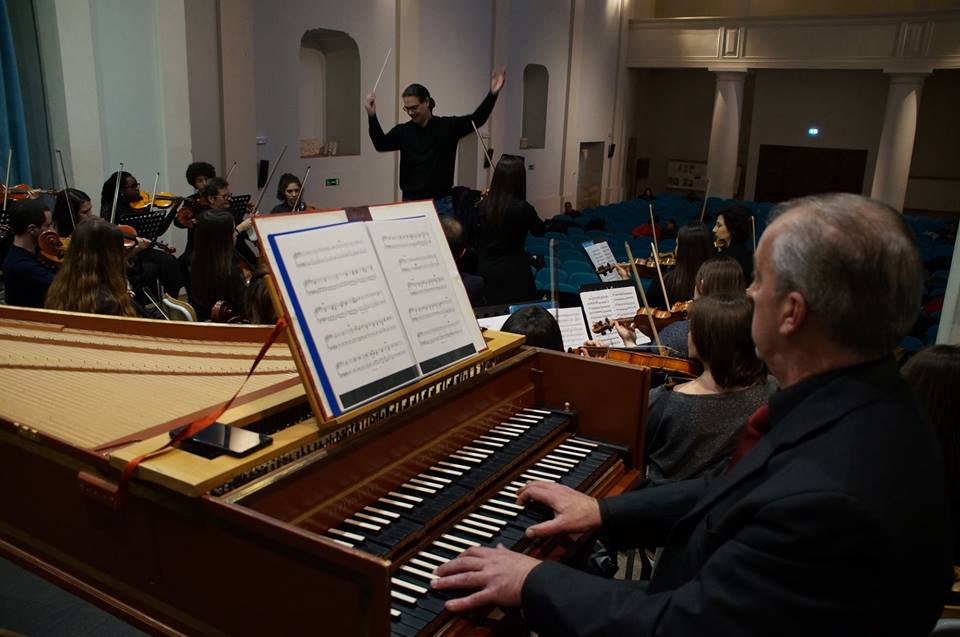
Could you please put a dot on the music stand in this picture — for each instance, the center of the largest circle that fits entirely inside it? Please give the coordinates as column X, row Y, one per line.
column 151, row 225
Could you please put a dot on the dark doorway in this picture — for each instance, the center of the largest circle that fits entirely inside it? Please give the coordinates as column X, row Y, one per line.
column 785, row 172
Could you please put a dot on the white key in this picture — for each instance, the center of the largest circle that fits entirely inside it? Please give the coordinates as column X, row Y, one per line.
column 362, row 525
column 343, row 542
column 347, row 534
column 396, row 581
column 435, row 478
column 524, row 420
column 509, row 426
column 462, row 458
column 394, row 613
column 545, row 474
column 372, row 518
column 401, row 505
column 482, row 452
column 424, row 565
column 580, row 451
column 578, row 456
column 403, row 597
column 472, row 454
column 484, row 518
column 561, row 460
column 449, row 547
column 404, row 496
column 430, row 556
column 389, row 514
column 416, row 571
column 456, row 539
column 426, row 483
column 414, row 487
column 482, row 441
column 503, row 432
column 556, row 466
column 507, row 505
column 454, row 465
column 481, row 525
column 581, row 441
column 447, row 471
column 533, row 477
column 502, row 441
column 510, row 491
column 518, row 484
column 473, row 531
column 498, row 511
column 536, row 411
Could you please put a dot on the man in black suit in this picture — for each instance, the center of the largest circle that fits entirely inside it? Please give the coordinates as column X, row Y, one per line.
column 835, row 522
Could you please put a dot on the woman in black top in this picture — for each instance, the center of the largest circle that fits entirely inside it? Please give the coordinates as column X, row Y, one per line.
column 734, row 236
column 288, row 190
column 694, row 246
column 505, row 220
column 213, row 271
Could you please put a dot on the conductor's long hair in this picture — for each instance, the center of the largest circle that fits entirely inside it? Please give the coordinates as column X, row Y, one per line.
column 93, row 273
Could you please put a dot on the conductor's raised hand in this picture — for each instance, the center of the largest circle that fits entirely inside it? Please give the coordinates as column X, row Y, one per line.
column 497, row 81
column 370, row 104
column 574, row 512
column 498, row 574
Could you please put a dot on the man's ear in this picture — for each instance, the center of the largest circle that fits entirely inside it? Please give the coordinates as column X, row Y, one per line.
column 793, row 313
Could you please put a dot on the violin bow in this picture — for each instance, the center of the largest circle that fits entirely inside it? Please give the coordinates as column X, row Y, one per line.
column 486, row 152
column 653, row 228
column 66, row 192
column 643, row 297
column 273, row 170
column 303, row 186
column 753, row 232
column 116, row 195
column 706, row 195
column 553, row 278
column 663, row 286
column 153, row 195
column 6, row 185
column 155, row 303
column 230, row 172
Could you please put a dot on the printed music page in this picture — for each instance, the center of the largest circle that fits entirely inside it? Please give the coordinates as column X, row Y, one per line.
column 440, row 330
column 601, row 256
column 572, row 327
column 618, row 300
column 348, row 324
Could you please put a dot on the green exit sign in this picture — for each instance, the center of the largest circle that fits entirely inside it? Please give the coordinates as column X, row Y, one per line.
column 333, row 181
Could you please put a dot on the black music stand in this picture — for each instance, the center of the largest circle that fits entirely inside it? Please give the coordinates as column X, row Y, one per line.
column 150, row 225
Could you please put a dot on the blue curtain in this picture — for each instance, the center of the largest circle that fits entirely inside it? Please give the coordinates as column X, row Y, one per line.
column 13, row 129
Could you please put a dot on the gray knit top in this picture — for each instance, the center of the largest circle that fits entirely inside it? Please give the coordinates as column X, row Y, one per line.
column 689, row 435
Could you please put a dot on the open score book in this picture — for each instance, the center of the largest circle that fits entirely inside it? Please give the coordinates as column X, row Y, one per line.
column 372, row 296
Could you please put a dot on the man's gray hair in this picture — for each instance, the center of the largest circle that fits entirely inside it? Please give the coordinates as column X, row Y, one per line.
column 855, row 263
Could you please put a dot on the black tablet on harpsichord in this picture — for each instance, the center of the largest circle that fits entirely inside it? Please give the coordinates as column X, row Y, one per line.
column 372, row 479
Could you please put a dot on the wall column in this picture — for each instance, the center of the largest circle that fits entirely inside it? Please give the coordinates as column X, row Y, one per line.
column 725, row 133
column 896, row 140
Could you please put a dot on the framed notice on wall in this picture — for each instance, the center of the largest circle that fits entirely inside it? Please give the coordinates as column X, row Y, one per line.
column 686, row 175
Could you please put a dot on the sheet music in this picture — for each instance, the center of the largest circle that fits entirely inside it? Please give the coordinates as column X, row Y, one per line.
column 423, row 289
column 611, row 303
column 343, row 305
column 600, row 255
column 572, row 327
column 493, row 322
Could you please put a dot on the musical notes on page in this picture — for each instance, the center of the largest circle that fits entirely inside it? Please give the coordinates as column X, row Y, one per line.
column 603, row 260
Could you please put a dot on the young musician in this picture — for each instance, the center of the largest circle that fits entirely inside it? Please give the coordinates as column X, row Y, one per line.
column 505, row 220
column 453, row 230
column 694, row 247
column 79, row 203
column 149, row 266
column 91, row 278
column 25, row 279
column 428, row 143
column 537, row 325
column 213, row 271
column 198, row 173
column 732, row 232
column 288, row 189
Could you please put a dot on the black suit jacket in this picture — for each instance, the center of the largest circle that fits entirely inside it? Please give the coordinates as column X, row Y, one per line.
column 836, row 523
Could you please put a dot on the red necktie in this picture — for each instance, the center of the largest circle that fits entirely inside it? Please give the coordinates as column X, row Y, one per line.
column 757, row 425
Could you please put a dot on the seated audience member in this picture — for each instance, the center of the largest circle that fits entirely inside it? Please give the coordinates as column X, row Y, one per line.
column 569, row 210
column 453, row 230
column 92, row 277
column 648, row 194
column 65, row 223
column 25, row 279
column 538, row 325
column 717, row 275
column 668, row 231
column 288, row 189
column 505, row 220
column 840, row 474
column 213, row 271
column 260, row 308
column 646, row 229
column 693, row 428
column 148, row 266
column 734, row 237
column 934, row 375
column 694, row 246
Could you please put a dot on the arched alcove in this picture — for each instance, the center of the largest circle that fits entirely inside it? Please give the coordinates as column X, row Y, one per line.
column 328, row 84
column 536, row 81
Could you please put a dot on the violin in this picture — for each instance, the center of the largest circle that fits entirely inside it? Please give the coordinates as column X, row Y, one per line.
column 130, row 238
column 682, row 366
column 53, row 248
column 639, row 321
column 721, row 244
column 162, row 200
column 667, row 260
column 186, row 217
column 23, row 191
column 223, row 313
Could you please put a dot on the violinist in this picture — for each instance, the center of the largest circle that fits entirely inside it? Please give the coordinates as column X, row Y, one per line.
column 288, row 191
column 732, row 232
column 91, row 278
column 25, row 278
column 214, row 273
column 148, row 266
column 198, row 174
column 694, row 246
column 81, row 205
column 216, row 196
column 538, row 325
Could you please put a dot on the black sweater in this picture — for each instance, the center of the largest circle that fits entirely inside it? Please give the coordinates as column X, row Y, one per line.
column 428, row 153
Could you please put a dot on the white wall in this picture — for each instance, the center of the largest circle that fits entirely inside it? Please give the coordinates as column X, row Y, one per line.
column 847, row 106
column 365, row 178
column 203, row 72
